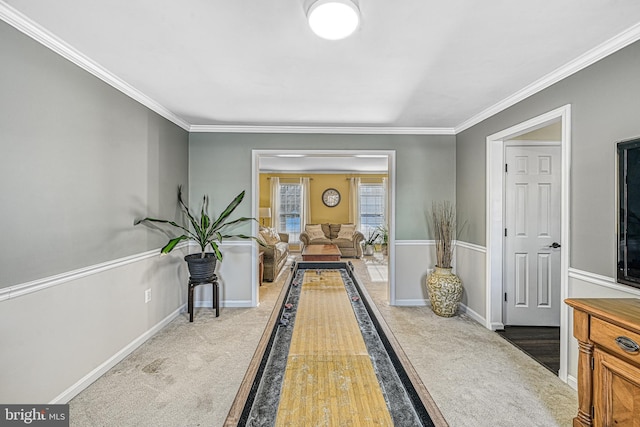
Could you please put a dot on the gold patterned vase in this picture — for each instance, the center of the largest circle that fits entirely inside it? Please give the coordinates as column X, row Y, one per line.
column 445, row 291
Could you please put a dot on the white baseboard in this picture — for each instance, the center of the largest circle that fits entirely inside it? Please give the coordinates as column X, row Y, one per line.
column 229, row 304
column 496, row 326
column 475, row 316
column 426, row 303
column 572, row 382
column 92, row 376
column 411, row 302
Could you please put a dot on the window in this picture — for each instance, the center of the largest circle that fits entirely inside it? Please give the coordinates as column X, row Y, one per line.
column 372, row 207
column 290, row 208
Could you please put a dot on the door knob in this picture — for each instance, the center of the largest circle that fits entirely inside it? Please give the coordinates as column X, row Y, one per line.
column 554, row 245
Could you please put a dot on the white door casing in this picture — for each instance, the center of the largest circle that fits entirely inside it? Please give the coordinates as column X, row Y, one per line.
column 495, row 223
column 532, row 220
column 391, row 212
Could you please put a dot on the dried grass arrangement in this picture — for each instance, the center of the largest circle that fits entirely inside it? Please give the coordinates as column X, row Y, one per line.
column 444, row 227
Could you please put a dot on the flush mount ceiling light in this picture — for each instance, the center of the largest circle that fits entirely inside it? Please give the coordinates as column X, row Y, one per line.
column 333, row 19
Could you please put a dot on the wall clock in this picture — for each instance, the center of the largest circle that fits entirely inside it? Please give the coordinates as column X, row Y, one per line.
column 331, row 197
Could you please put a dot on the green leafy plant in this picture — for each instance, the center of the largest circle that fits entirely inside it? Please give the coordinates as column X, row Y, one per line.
column 204, row 231
column 372, row 237
column 384, row 233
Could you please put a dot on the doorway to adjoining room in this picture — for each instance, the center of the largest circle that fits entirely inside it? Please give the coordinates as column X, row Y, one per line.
column 330, row 188
column 533, row 186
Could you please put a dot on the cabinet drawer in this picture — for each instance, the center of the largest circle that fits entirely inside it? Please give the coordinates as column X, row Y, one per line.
column 605, row 335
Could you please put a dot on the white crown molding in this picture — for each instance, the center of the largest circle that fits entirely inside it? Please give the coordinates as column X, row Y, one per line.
column 605, row 49
column 23, row 24
column 351, row 130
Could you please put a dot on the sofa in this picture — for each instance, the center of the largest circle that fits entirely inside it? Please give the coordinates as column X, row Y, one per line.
column 275, row 254
column 349, row 241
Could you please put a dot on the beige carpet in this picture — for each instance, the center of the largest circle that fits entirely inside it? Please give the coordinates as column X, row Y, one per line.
column 188, row 374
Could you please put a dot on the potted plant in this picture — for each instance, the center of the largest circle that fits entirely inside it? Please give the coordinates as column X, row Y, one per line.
column 370, row 241
column 384, row 234
column 206, row 232
column 445, row 288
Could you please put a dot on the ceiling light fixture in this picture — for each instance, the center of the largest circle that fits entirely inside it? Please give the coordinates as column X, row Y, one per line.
column 333, row 19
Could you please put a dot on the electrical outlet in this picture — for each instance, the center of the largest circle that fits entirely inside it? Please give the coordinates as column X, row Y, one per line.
column 147, row 295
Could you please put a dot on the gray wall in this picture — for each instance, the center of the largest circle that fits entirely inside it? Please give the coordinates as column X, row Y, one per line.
column 220, row 165
column 605, row 102
column 79, row 161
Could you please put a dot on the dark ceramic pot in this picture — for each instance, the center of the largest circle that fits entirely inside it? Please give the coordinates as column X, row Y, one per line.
column 201, row 268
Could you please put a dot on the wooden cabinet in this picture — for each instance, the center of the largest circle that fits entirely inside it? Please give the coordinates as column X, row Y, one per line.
column 617, row 402
column 608, row 334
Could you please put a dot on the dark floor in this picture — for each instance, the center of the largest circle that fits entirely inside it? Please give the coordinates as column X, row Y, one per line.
column 542, row 343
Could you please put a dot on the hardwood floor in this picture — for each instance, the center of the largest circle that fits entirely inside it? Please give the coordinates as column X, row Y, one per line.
column 542, row 343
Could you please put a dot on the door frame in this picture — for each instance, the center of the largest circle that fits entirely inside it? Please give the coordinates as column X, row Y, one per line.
column 495, row 160
column 391, row 185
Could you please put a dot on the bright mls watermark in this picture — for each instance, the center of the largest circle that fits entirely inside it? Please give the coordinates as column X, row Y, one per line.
column 34, row 415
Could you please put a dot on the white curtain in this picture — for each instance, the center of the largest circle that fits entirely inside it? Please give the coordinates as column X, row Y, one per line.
column 385, row 186
column 305, row 211
column 275, row 202
column 354, row 201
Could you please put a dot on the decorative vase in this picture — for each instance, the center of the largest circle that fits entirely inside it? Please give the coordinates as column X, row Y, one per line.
column 201, row 268
column 445, row 291
column 368, row 250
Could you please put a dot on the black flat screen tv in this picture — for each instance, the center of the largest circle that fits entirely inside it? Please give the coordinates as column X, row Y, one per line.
column 629, row 212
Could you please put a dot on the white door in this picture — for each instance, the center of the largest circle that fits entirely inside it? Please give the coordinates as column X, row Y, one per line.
column 532, row 235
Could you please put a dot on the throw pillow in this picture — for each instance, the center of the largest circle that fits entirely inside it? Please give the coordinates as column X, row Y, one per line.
column 314, row 232
column 263, row 231
column 334, row 229
column 346, row 231
column 274, row 235
column 269, row 236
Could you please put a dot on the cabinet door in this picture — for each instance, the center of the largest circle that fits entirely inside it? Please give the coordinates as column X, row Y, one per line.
column 616, row 391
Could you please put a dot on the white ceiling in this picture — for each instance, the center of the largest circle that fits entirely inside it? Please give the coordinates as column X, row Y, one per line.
column 431, row 65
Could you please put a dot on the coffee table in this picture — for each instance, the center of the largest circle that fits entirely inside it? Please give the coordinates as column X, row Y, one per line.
column 321, row 253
